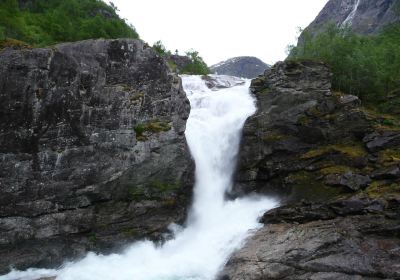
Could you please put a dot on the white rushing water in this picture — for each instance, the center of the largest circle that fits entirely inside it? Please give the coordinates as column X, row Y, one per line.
column 215, row 227
column 349, row 20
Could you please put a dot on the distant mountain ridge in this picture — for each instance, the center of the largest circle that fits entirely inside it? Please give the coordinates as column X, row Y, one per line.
column 242, row 66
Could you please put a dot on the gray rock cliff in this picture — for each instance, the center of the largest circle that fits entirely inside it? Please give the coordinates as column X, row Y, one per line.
column 334, row 165
column 92, row 150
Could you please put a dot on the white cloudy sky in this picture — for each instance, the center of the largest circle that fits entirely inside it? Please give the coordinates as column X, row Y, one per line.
column 221, row 29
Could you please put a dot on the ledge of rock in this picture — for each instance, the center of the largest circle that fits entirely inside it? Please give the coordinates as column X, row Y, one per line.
column 92, row 150
column 349, row 239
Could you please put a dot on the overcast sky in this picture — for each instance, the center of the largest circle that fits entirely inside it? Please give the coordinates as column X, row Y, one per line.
column 221, row 29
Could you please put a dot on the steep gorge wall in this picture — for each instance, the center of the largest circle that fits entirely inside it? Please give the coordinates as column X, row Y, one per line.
column 92, row 150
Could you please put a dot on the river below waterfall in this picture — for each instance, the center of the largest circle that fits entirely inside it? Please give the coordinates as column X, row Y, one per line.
column 215, row 226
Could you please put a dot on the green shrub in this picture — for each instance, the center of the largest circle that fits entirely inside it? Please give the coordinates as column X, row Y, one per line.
column 139, row 129
column 197, row 65
column 43, row 22
column 160, row 49
column 366, row 66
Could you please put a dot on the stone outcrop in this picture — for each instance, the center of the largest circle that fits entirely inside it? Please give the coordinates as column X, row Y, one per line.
column 306, row 142
column 92, row 150
column 349, row 240
column 368, row 17
column 335, row 167
column 242, row 66
column 178, row 62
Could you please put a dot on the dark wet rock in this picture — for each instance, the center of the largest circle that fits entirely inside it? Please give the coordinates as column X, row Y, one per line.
column 382, row 140
column 346, row 240
column 243, row 66
column 92, row 150
column 391, row 172
column 350, row 180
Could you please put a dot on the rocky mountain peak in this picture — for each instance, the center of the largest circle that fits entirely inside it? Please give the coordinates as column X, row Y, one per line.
column 242, row 66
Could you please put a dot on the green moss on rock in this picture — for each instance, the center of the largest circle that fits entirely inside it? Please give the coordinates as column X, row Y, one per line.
column 305, row 185
column 383, row 188
column 336, row 169
column 163, row 187
column 143, row 130
column 273, row 136
column 389, row 157
column 350, row 151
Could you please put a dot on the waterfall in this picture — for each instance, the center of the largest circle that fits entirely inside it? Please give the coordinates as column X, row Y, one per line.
column 349, row 19
column 215, row 227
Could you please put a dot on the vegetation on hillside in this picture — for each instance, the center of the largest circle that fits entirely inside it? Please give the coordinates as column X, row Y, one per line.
column 161, row 49
column 197, row 66
column 44, row 22
column 366, row 66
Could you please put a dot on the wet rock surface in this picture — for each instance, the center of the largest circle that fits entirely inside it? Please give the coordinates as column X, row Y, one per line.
column 335, row 167
column 348, row 239
column 92, row 150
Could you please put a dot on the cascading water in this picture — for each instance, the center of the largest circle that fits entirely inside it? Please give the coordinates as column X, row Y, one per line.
column 215, row 227
column 349, row 19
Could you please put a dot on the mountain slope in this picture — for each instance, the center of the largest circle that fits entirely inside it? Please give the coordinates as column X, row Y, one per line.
column 242, row 66
column 363, row 16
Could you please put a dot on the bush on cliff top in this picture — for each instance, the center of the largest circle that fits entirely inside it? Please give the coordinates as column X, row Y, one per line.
column 197, row 66
column 43, row 22
column 366, row 66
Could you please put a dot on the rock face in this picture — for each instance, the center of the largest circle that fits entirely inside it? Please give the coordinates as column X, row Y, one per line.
column 349, row 240
column 363, row 16
column 304, row 138
column 178, row 62
column 243, row 66
column 335, row 167
column 92, row 150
